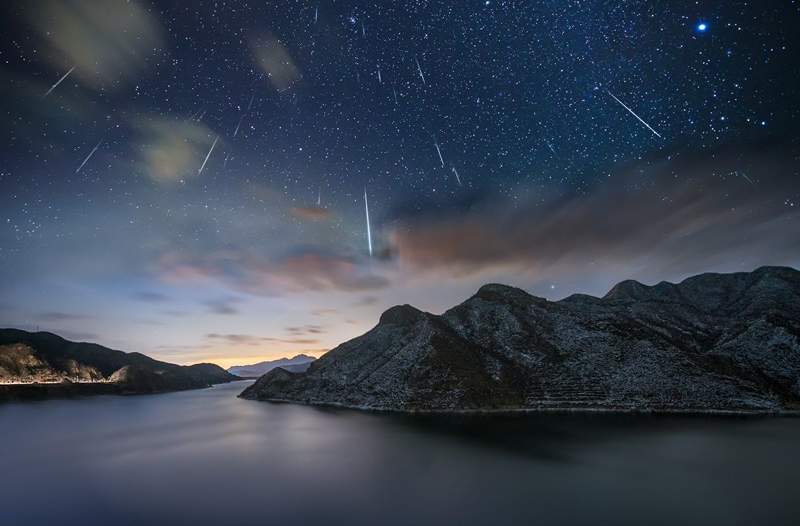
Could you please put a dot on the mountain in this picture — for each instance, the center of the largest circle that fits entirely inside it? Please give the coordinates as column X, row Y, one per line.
column 297, row 364
column 714, row 342
column 43, row 365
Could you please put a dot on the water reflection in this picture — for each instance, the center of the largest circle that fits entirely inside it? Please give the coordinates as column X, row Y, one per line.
column 206, row 457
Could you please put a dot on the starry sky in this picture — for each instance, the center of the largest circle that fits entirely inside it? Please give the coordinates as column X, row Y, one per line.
column 188, row 179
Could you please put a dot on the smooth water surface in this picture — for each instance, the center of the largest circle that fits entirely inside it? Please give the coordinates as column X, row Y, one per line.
column 206, row 457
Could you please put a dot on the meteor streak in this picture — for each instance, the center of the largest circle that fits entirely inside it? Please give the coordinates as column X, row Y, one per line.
column 89, row 156
column 419, row 69
column 236, row 131
column 54, row 86
column 369, row 233
column 208, row 155
column 455, row 172
column 394, row 92
column 379, row 75
column 440, row 153
column 634, row 114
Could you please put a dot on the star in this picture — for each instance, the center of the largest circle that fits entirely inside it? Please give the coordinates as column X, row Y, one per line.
column 702, row 27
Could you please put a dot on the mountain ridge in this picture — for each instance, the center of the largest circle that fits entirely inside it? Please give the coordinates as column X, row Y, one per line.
column 719, row 342
column 297, row 363
column 44, row 365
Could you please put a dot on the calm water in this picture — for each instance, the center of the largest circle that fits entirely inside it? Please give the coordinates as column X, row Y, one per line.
column 205, row 457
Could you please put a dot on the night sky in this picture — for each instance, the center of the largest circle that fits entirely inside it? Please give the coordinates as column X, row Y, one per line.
column 187, row 179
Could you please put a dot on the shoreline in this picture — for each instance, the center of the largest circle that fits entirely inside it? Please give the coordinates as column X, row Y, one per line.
column 788, row 413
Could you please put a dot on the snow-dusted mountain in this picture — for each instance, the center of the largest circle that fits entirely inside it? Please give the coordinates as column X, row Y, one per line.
column 297, row 363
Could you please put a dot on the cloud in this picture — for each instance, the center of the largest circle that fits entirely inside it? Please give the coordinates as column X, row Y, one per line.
column 108, row 42
column 305, row 330
column 673, row 217
column 224, row 306
column 53, row 316
column 305, row 270
column 312, row 213
column 248, row 339
column 274, row 59
column 171, row 150
column 151, row 297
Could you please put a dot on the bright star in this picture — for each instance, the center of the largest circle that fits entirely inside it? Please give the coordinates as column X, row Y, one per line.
column 702, row 27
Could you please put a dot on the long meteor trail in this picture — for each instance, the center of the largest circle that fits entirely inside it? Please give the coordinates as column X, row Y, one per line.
column 208, row 155
column 54, row 86
column 634, row 114
column 419, row 69
column 455, row 172
column 89, row 156
column 369, row 232
column 441, row 160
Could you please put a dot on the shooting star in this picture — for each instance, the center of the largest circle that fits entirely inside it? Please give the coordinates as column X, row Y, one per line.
column 419, row 69
column 379, row 75
column 634, row 114
column 394, row 92
column 238, row 124
column 250, row 104
column 316, row 14
column 744, row 175
column 455, row 172
column 363, row 31
column 440, row 153
column 369, row 232
column 551, row 147
column 208, row 155
column 89, row 156
column 54, row 86
column 319, row 196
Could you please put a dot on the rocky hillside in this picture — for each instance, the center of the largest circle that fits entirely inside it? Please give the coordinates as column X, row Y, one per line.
column 42, row 364
column 298, row 363
column 714, row 342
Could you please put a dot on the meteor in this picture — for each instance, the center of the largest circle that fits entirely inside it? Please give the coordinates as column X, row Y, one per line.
column 89, row 156
column 634, row 114
column 379, row 75
column 419, row 69
column 455, row 172
column 440, row 153
column 236, row 131
column 316, row 14
column 369, row 233
column 208, row 155
column 394, row 92
column 54, row 86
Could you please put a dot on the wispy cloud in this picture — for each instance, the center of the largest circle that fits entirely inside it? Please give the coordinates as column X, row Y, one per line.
column 248, row 339
column 309, row 269
column 689, row 215
column 225, row 306
column 151, row 297
column 108, row 43
column 274, row 59
column 171, row 150
column 53, row 316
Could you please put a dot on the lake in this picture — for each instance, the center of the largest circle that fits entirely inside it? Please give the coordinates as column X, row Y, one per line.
column 206, row 457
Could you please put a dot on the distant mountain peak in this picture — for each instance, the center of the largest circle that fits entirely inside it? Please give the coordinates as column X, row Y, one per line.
column 402, row 315
column 497, row 292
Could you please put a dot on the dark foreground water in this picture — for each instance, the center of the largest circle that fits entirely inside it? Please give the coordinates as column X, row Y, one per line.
column 205, row 457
